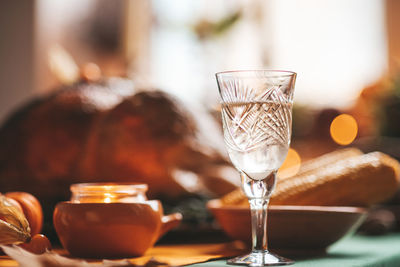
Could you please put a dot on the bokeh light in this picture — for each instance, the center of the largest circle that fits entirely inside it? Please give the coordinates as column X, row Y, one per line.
column 344, row 129
column 291, row 165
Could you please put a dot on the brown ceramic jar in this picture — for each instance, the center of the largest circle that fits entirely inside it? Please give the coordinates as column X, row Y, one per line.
column 110, row 221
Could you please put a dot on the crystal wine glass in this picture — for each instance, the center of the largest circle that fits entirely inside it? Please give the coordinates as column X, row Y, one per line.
column 257, row 118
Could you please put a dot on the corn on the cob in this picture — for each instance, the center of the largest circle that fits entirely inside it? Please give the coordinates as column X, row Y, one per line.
column 356, row 181
column 348, row 179
column 319, row 162
column 236, row 198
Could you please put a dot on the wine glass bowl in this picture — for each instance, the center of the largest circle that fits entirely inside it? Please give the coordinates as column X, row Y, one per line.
column 257, row 117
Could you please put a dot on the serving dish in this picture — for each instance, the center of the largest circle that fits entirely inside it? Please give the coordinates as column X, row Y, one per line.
column 292, row 230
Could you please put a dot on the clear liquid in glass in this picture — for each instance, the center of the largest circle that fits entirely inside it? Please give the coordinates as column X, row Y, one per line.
column 257, row 135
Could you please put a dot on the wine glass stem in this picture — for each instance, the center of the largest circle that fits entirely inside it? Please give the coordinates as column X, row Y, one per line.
column 258, row 208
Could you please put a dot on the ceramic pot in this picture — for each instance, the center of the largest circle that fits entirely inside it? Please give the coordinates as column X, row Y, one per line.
column 111, row 229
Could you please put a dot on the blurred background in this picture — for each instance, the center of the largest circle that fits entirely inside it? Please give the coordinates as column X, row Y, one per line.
column 346, row 54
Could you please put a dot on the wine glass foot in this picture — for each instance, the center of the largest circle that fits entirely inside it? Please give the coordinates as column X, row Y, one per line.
column 260, row 258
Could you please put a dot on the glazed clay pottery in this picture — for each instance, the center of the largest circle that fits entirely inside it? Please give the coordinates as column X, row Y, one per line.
column 111, row 228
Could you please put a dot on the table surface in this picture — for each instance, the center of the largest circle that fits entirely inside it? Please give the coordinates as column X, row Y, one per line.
column 352, row 251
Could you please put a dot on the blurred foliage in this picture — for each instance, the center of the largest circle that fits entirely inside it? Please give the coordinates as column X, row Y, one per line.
column 206, row 29
column 389, row 110
column 303, row 120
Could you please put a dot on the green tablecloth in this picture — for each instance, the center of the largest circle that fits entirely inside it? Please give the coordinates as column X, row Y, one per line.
column 353, row 251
